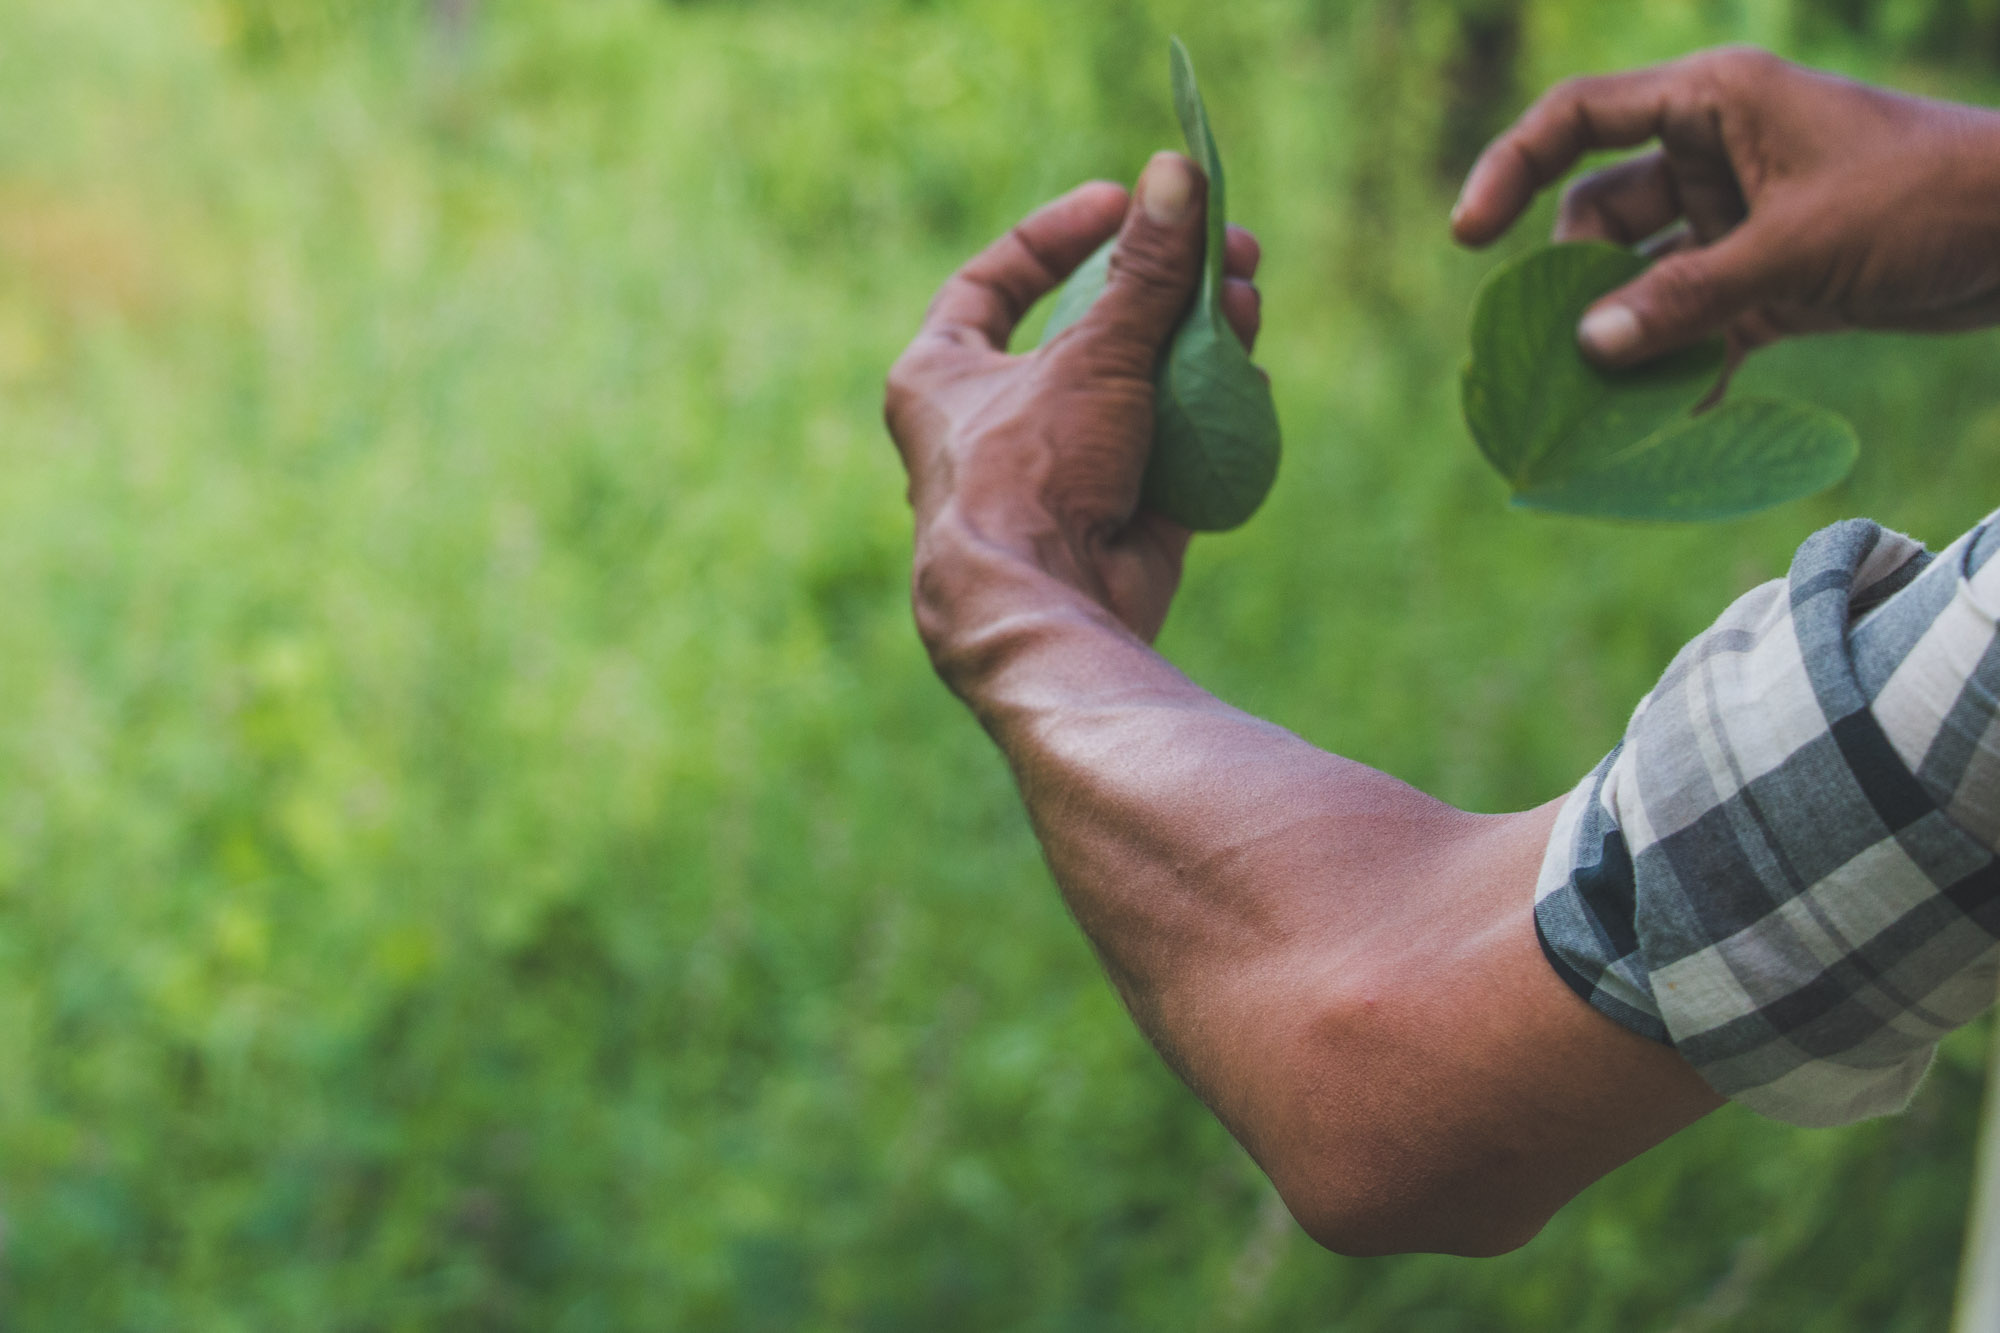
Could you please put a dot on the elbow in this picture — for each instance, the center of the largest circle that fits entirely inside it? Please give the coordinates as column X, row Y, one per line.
column 1396, row 1218
column 1429, row 1084
column 1382, row 1140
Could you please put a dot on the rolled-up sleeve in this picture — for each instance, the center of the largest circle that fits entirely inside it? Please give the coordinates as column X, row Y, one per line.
column 1785, row 868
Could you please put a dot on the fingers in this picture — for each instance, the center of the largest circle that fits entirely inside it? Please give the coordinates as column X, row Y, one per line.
column 1610, row 111
column 1243, row 307
column 1623, row 204
column 1689, row 295
column 984, row 300
column 1241, row 253
column 1154, row 268
column 1242, row 303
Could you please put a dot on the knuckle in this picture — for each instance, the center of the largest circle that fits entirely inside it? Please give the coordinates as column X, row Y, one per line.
column 1579, row 202
column 1563, row 92
column 1579, row 88
column 901, row 381
column 1146, row 258
column 1737, row 68
column 1035, row 271
column 900, row 391
column 1245, row 250
column 1680, row 289
column 1582, row 192
column 1561, row 104
column 892, row 412
column 1744, row 61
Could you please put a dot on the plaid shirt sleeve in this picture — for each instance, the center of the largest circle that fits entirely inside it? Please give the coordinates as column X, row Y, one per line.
column 1786, row 868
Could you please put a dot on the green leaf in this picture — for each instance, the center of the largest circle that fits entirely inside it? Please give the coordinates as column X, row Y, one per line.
column 1216, row 439
column 1741, row 457
column 1078, row 294
column 1201, row 147
column 1568, row 436
column 1534, row 403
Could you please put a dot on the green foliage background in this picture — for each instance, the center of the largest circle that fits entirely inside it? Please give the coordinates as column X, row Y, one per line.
column 480, row 847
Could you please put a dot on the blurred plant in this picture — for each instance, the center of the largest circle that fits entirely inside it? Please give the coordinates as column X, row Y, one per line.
column 480, row 846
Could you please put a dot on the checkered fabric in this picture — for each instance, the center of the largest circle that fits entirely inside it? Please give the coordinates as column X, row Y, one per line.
column 1786, row 867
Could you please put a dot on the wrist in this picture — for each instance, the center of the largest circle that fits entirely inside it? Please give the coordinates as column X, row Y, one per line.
column 981, row 588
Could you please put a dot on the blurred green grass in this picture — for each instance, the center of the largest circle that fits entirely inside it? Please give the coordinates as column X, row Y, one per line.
column 480, row 846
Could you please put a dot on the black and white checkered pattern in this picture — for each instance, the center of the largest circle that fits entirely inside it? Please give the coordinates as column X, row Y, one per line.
column 1786, row 866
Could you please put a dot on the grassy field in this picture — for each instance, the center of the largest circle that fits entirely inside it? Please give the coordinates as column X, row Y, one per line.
column 480, row 846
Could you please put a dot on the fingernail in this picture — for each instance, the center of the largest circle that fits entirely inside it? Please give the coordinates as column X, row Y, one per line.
column 1166, row 188
column 1609, row 331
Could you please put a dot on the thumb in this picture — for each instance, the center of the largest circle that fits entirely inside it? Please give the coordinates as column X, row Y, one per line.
column 1155, row 266
column 1685, row 297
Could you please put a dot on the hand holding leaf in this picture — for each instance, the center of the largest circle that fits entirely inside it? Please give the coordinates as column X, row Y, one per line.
column 1572, row 437
column 1215, row 427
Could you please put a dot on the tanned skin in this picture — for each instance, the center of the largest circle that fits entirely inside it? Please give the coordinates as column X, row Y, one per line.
column 1342, row 967
column 1782, row 201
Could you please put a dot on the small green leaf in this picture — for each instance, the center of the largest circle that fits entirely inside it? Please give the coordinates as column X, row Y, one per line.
column 1193, row 115
column 1568, row 436
column 1533, row 402
column 1215, row 427
column 1740, row 457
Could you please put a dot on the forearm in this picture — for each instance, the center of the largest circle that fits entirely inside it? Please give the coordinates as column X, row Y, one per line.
column 1181, row 828
column 1245, row 889
column 1341, row 966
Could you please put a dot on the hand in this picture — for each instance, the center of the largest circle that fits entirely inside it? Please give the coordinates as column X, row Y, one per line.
column 1805, row 202
column 1040, row 455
